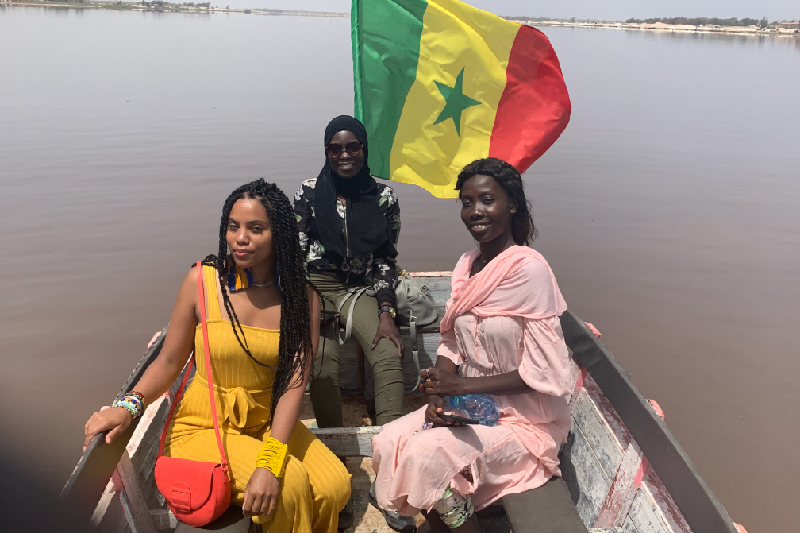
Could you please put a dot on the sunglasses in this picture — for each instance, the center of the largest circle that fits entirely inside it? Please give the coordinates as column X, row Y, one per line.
column 335, row 150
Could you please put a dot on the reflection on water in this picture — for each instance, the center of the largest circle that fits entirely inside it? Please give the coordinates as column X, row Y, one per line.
column 723, row 39
column 668, row 210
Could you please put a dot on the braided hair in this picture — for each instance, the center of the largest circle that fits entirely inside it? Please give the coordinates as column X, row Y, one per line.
column 522, row 229
column 294, row 351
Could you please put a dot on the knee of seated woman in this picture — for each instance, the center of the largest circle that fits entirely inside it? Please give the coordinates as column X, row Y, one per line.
column 295, row 479
column 335, row 489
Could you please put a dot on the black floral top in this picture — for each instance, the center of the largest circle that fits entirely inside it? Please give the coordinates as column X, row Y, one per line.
column 378, row 269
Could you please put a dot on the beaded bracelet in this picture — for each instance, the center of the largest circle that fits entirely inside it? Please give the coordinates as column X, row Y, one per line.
column 273, row 457
column 133, row 402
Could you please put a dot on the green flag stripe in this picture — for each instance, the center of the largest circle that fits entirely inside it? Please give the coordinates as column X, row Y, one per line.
column 385, row 37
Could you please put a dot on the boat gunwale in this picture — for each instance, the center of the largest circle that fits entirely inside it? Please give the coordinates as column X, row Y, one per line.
column 700, row 507
column 88, row 481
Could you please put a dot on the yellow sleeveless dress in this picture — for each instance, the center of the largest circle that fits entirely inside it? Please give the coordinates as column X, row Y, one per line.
column 316, row 485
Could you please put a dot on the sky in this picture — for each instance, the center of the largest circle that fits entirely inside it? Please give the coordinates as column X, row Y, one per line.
column 582, row 9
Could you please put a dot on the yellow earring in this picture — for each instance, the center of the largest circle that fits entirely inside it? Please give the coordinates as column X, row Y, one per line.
column 513, row 211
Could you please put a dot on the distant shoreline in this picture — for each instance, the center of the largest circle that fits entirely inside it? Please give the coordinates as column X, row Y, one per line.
column 201, row 8
column 205, row 8
column 671, row 28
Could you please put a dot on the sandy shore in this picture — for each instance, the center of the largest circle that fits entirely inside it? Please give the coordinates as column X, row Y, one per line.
column 660, row 26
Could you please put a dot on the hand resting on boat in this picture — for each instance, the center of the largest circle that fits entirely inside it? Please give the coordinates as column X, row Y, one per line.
column 116, row 419
column 162, row 372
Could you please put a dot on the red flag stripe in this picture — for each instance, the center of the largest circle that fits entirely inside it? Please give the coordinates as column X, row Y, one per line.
column 534, row 108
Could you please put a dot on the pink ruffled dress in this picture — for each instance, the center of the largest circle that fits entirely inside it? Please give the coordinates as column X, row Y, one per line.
column 504, row 318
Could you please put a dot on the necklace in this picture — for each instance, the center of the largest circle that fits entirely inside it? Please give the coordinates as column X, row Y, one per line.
column 263, row 285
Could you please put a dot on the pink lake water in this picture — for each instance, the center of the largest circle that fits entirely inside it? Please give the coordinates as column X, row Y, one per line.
column 669, row 211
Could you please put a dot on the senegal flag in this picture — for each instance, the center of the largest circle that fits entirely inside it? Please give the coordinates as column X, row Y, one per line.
column 439, row 84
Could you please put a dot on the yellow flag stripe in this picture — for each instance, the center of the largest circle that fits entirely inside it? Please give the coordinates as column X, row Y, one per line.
column 455, row 37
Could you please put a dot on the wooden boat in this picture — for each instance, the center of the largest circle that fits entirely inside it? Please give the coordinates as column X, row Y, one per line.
column 623, row 471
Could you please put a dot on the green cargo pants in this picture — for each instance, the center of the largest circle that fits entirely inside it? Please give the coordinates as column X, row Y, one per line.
column 385, row 363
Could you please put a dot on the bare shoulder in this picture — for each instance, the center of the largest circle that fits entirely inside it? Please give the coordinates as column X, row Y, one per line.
column 191, row 277
column 187, row 294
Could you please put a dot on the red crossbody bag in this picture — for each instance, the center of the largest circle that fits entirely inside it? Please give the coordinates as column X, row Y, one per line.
column 196, row 492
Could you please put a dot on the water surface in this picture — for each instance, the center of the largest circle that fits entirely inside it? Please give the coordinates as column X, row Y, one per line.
column 668, row 211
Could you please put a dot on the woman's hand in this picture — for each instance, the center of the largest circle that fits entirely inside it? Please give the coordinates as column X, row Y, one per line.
column 440, row 382
column 435, row 408
column 117, row 419
column 261, row 493
column 388, row 329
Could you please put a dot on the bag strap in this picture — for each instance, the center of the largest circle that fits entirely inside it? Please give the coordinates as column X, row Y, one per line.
column 175, row 402
column 353, row 294
column 209, row 376
column 412, row 325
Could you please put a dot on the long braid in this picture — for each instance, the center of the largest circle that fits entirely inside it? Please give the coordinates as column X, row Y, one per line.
column 295, row 336
column 221, row 264
column 294, row 351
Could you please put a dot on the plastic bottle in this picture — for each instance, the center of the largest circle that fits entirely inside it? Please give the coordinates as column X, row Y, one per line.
column 480, row 407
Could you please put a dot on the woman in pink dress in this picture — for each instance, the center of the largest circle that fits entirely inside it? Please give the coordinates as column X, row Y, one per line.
column 501, row 336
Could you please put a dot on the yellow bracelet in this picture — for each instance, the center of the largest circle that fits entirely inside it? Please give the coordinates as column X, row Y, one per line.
column 273, row 457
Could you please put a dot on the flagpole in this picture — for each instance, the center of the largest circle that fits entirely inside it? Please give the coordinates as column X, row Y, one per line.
column 358, row 69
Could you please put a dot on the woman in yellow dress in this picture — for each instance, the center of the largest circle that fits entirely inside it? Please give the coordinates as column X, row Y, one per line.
column 263, row 325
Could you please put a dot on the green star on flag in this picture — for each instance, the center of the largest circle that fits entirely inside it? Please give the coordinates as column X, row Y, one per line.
column 455, row 102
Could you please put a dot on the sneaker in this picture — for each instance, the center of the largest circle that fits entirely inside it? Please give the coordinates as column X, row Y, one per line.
column 396, row 521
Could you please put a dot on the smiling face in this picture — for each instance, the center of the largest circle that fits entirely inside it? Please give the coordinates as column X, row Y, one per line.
column 345, row 164
column 486, row 209
column 249, row 234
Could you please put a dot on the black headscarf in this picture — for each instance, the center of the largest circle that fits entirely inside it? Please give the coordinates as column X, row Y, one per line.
column 366, row 226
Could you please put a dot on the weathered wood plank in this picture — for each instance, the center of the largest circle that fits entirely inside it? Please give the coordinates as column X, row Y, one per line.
column 143, row 446
column 348, row 442
column 663, row 501
column 598, row 434
column 133, row 501
column 646, row 515
column 592, row 480
column 623, row 488
column 630, row 527
column 163, row 519
column 654, row 507
column 703, row 512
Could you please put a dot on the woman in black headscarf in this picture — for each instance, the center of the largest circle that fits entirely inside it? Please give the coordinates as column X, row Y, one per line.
column 349, row 225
